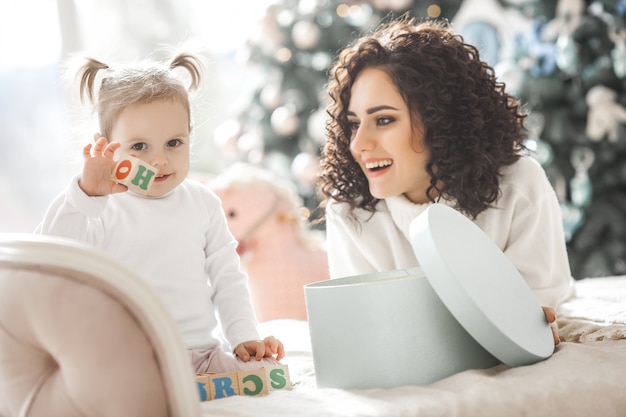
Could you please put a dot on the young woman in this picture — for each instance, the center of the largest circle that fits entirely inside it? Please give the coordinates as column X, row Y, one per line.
column 416, row 118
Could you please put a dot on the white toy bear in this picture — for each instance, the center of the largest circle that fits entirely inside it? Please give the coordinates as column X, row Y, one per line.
column 604, row 114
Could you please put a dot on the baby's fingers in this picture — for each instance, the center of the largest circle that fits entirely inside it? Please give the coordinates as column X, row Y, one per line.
column 100, row 145
column 87, row 151
column 242, row 352
column 274, row 347
column 110, row 149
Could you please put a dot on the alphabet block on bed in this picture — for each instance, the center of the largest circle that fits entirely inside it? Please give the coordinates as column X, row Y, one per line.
column 134, row 173
column 223, row 385
column 203, row 386
column 278, row 377
column 253, row 382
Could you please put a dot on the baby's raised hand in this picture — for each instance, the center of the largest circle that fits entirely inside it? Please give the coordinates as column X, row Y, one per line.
column 98, row 167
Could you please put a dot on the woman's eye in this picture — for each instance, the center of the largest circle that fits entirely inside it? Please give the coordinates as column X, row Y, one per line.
column 173, row 143
column 353, row 126
column 139, row 146
column 382, row 121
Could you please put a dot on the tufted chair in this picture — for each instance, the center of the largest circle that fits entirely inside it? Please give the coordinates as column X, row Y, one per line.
column 82, row 336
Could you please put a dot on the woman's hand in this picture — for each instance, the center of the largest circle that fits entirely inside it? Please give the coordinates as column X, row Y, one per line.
column 265, row 348
column 98, row 167
column 551, row 317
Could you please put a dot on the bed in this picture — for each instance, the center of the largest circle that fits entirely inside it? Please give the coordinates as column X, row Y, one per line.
column 586, row 376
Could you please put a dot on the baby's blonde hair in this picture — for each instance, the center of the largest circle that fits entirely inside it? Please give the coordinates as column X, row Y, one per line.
column 142, row 83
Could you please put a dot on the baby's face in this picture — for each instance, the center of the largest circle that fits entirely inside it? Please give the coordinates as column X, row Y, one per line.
column 157, row 133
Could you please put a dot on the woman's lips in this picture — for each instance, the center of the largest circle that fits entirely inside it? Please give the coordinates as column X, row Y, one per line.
column 376, row 168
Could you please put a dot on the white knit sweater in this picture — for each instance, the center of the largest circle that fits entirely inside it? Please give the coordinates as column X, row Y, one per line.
column 525, row 224
column 179, row 243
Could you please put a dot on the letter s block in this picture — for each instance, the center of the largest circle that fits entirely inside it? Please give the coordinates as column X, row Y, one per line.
column 278, row 377
column 134, row 173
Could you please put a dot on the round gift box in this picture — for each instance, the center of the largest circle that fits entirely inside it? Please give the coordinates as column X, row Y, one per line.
column 466, row 307
column 384, row 330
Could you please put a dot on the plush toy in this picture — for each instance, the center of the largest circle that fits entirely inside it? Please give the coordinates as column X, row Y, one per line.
column 279, row 250
column 568, row 16
column 604, row 115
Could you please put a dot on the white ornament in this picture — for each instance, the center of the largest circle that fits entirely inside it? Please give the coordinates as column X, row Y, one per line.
column 306, row 34
column 285, row 121
column 271, row 96
column 316, row 125
column 305, row 168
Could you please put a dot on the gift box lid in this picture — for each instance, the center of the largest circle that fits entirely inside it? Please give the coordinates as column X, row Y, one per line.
column 480, row 286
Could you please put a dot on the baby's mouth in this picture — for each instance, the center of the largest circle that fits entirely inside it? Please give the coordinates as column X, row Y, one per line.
column 162, row 177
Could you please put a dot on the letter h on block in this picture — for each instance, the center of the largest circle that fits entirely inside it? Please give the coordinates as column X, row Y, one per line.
column 134, row 173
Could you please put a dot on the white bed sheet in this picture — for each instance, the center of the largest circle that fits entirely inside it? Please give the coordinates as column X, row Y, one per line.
column 586, row 376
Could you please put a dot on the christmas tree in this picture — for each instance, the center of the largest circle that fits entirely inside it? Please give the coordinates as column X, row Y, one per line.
column 573, row 76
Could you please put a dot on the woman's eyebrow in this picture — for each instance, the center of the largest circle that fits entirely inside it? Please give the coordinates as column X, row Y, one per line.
column 375, row 109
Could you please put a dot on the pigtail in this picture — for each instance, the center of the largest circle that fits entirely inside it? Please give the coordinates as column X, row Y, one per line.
column 192, row 64
column 87, row 74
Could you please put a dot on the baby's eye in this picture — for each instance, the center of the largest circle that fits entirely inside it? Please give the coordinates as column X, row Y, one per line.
column 173, row 143
column 139, row 146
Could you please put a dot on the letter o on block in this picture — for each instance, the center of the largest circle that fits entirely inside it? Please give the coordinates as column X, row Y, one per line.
column 123, row 169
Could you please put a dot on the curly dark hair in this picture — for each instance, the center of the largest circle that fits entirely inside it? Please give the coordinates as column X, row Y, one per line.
column 472, row 126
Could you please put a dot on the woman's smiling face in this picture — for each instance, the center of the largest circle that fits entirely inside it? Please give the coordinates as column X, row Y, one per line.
column 385, row 142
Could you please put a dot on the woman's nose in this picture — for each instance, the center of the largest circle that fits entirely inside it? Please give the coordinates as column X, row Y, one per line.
column 361, row 140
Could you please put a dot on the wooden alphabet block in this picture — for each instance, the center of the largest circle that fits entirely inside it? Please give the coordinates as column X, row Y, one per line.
column 253, row 382
column 278, row 377
column 203, row 386
column 223, row 385
column 134, row 173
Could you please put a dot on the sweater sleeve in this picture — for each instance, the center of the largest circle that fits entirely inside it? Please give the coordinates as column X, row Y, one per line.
column 535, row 243
column 231, row 296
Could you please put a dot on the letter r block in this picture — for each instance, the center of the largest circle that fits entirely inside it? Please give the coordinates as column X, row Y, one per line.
column 223, row 385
